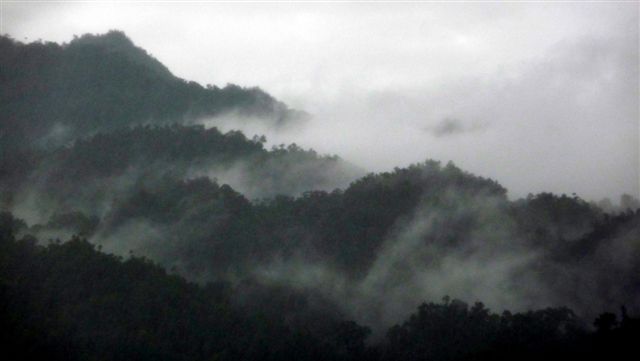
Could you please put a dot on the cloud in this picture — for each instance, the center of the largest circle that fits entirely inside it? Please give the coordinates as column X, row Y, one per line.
column 453, row 126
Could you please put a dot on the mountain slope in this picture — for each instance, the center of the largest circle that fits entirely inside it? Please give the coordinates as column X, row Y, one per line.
column 70, row 301
column 92, row 172
column 52, row 93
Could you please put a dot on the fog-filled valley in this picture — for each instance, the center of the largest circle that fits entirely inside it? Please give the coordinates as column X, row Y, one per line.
column 142, row 219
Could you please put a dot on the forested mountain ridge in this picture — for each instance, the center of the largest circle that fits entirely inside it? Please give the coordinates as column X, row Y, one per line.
column 52, row 94
column 369, row 240
column 89, row 174
column 73, row 302
column 99, row 106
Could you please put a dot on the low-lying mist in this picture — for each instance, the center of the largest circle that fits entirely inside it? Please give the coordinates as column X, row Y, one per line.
column 565, row 121
column 375, row 249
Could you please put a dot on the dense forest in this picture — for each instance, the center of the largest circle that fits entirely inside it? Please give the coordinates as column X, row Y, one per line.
column 70, row 301
column 130, row 230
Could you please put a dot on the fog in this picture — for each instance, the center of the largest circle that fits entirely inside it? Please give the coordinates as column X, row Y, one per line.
column 491, row 264
column 540, row 96
column 424, row 257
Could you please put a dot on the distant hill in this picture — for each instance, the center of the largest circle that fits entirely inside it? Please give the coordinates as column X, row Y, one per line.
column 51, row 93
column 92, row 171
column 95, row 106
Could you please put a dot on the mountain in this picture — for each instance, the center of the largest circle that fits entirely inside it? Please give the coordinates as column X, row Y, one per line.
column 100, row 105
column 92, row 172
column 51, row 94
column 367, row 241
column 74, row 302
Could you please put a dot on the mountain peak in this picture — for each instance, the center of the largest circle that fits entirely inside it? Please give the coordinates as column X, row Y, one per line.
column 113, row 38
column 102, row 82
column 117, row 42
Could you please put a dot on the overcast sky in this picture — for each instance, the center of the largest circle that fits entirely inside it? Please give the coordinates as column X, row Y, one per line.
column 539, row 96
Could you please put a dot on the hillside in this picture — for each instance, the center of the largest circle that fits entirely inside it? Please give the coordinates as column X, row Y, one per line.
column 51, row 94
column 74, row 302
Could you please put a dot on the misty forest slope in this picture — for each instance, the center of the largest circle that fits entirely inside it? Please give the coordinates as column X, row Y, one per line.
column 102, row 145
column 54, row 93
column 122, row 158
column 73, row 302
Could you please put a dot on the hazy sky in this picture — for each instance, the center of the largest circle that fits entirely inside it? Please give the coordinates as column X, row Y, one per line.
column 539, row 96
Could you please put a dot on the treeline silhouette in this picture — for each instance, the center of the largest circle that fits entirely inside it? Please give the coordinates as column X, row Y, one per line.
column 70, row 301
